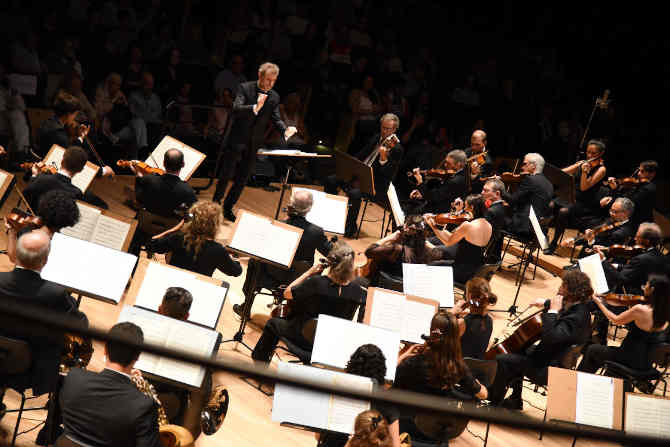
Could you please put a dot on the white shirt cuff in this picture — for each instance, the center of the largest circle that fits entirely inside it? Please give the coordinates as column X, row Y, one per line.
column 552, row 311
column 253, row 109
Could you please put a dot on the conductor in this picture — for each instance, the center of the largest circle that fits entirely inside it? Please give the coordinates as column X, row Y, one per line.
column 255, row 104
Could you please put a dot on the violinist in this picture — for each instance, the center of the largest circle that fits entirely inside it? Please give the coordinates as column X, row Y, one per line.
column 566, row 320
column 436, row 194
column 466, row 244
column 585, row 212
column 384, row 162
column 474, row 312
column 495, row 214
column 336, row 293
column 481, row 166
column 54, row 130
column 642, row 192
column 647, row 325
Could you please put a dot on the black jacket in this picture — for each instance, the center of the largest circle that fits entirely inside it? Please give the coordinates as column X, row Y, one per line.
column 44, row 183
column 440, row 194
column 486, row 170
column 644, row 198
column 634, row 274
column 106, row 409
column 533, row 190
column 313, row 239
column 495, row 215
column 163, row 194
column 383, row 174
column 247, row 128
column 52, row 132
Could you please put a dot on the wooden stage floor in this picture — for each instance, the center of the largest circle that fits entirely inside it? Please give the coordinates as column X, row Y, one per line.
column 248, row 421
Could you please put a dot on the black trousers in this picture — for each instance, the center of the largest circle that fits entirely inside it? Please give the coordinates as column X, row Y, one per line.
column 595, row 356
column 239, row 163
column 275, row 328
column 331, row 185
column 512, row 368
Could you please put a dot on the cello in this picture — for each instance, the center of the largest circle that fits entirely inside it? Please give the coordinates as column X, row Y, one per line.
column 528, row 332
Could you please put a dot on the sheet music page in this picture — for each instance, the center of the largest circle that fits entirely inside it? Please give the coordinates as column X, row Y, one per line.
column 208, row 301
column 427, row 281
column 191, row 156
column 387, row 310
column 257, row 235
column 593, row 268
column 416, row 318
column 88, row 267
column 541, row 237
column 88, row 218
column 189, row 338
column 328, row 213
column 336, row 339
column 83, row 179
column 646, row 415
column 155, row 330
column 595, row 400
column 110, row 232
column 396, row 209
column 343, row 410
column 297, row 405
column 3, row 177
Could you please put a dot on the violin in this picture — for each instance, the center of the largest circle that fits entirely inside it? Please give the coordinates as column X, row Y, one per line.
column 479, row 158
column 140, row 166
column 366, row 270
column 603, row 228
column 624, row 251
column 442, row 174
column 390, row 141
column 594, row 162
column 43, row 168
column 528, row 332
column 19, row 219
column 627, row 182
column 623, row 299
column 507, row 177
column 456, row 218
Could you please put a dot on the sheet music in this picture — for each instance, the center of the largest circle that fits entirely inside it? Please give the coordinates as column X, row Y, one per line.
column 88, row 218
column 88, row 267
column 110, row 232
column 154, row 330
column 336, row 339
column 416, row 320
column 191, row 156
column 595, row 400
column 83, row 179
column 593, row 268
column 3, row 177
column 343, row 410
column 387, row 310
column 396, row 209
column 327, row 212
column 541, row 237
column 428, row 281
column 259, row 236
column 208, row 298
column 647, row 415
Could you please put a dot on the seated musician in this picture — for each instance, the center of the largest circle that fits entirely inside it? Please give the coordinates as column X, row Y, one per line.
column 473, row 310
column 335, row 294
column 384, row 162
column 585, row 212
column 439, row 193
column 407, row 245
column 107, row 408
column 496, row 211
column 163, row 194
column 313, row 239
column 467, row 243
column 478, row 170
column 643, row 194
column 193, row 244
column 566, row 322
column 534, row 190
column 647, row 325
column 437, row 368
column 57, row 209
column 371, row 429
column 25, row 286
column 622, row 231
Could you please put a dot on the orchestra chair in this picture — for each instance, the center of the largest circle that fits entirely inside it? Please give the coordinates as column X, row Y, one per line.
column 150, row 224
column 485, row 372
column 386, row 281
column 16, row 359
column 644, row 380
column 486, row 271
column 303, row 355
column 263, row 281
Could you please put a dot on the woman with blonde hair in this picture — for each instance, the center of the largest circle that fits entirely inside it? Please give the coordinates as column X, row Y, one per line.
column 370, row 430
column 192, row 242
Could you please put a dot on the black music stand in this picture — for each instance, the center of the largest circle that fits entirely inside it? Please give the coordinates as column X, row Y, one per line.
column 564, row 184
column 350, row 169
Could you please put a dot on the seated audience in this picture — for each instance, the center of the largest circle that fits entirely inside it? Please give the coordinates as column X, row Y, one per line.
column 146, row 105
column 116, row 121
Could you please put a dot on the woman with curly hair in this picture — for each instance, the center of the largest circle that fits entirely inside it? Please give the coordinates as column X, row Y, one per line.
column 370, row 430
column 193, row 245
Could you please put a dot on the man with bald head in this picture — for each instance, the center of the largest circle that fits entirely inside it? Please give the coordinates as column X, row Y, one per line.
column 479, row 170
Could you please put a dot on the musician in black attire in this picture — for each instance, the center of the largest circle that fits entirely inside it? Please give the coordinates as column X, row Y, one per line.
column 336, row 294
column 534, row 190
column 439, row 194
column 585, row 212
column 472, row 313
column 251, row 116
column 313, row 239
column 643, row 195
column 566, row 320
column 385, row 163
column 496, row 212
column 54, row 130
column 477, row 170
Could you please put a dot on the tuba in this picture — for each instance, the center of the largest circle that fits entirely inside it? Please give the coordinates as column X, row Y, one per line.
column 214, row 413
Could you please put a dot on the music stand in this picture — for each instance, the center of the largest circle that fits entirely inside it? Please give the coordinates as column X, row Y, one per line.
column 564, row 184
column 351, row 169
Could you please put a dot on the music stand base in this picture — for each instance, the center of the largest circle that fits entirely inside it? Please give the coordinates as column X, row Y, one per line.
column 238, row 338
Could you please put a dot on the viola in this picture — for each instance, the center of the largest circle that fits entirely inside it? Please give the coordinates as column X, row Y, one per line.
column 43, row 168
column 19, row 219
column 140, row 166
column 390, row 141
column 528, row 332
column 624, row 251
column 623, row 299
column 282, row 308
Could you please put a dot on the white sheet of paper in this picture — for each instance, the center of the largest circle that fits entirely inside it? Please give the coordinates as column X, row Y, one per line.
column 647, row 415
column 336, row 339
column 81, row 180
column 387, row 310
column 207, row 297
column 88, row 218
column 280, row 152
column 258, row 236
column 541, row 237
column 343, row 410
column 191, row 156
column 429, row 281
column 328, row 213
column 595, row 400
column 593, row 268
column 396, row 209
column 88, row 267
column 110, row 232
column 416, row 321
column 3, row 176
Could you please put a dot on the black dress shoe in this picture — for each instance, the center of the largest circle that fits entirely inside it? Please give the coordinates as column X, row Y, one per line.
column 513, row 403
column 228, row 215
column 238, row 309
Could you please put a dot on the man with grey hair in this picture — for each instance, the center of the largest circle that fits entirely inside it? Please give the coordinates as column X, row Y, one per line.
column 255, row 105
column 439, row 195
column 534, row 190
column 313, row 240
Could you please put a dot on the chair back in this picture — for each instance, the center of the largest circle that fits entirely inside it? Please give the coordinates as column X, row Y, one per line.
column 15, row 356
column 487, row 271
column 660, row 355
column 570, row 356
column 482, row 370
column 309, row 329
column 152, row 224
column 389, row 282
